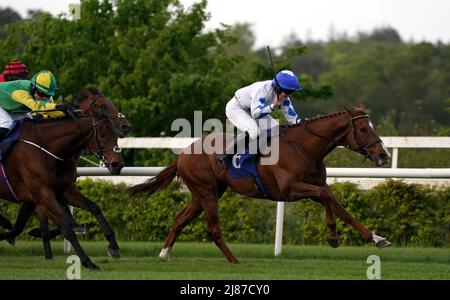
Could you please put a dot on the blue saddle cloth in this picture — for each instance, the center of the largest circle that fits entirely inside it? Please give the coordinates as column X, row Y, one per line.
column 242, row 166
column 6, row 145
column 245, row 166
column 10, row 138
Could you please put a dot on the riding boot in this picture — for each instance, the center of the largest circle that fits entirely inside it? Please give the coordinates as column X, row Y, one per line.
column 231, row 148
column 3, row 132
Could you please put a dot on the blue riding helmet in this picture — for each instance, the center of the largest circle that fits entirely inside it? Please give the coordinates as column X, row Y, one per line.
column 286, row 81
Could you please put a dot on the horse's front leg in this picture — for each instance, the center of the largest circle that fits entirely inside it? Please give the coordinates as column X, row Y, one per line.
column 332, row 238
column 63, row 220
column 73, row 196
column 301, row 190
column 342, row 213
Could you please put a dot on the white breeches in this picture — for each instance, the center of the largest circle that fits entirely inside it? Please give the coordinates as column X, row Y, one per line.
column 6, row 121
column 241, row 118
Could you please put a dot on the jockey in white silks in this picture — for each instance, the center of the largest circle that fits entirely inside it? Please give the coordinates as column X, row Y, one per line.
column 249, row 110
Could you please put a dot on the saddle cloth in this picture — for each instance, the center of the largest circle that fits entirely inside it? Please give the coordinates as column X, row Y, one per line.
column 5, row 146
column 244, row 165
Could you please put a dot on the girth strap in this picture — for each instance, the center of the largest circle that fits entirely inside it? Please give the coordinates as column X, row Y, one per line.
column 41, row 148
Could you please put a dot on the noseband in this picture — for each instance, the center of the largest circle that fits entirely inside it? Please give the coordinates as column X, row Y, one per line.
column 112, row 118
column 105, row 118
column 364, row 150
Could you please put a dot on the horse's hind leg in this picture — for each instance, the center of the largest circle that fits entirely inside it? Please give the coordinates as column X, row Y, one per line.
column 191, row 211
column 52, row 233
column 74, row 197
column 22, row 218
column 209, row 196
column 45, row 234
column 5, row 223
column 64, row 221
column 212, row 215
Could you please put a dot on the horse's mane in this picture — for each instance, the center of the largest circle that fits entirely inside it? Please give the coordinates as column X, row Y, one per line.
column 82, row 95
column 316, row 118
column 322, row 117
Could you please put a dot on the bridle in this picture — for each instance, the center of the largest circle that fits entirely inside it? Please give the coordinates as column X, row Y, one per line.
column 362, row 149
column 112, row 118
column 104, row 118
column 97, row 152
column 119, row 115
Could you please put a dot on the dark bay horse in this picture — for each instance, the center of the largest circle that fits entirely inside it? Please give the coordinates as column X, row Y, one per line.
column 73, row 196
column 299, row 173
column 41, row 168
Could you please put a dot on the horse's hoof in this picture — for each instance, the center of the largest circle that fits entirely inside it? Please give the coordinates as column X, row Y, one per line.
column 383, row 243
column 114, row 253
column 90, row 265
column 11, row 241
column 334, row 243
column 50, row 257
column 164, row 255
column 79, row 230
column 164, row 258
column 35, row 232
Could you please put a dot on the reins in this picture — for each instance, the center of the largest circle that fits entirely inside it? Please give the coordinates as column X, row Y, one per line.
column 98, row 152
column 363, row 149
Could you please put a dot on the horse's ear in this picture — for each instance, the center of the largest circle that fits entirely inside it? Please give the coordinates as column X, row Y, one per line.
column 75, row 101
column 362, row 106
column 348, row 110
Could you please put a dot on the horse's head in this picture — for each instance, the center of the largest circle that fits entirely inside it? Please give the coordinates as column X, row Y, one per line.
column 106, row 132
column 122, row 125
column 363, row 139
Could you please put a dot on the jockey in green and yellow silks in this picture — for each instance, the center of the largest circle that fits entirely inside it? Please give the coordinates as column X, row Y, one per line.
column 31, row 95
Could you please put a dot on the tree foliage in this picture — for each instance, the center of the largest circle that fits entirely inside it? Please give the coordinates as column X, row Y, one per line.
column 404, row 86
column 157, row 62
column 153, row 58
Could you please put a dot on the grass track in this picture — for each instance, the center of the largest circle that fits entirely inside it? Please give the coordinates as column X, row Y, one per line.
column 204, row 261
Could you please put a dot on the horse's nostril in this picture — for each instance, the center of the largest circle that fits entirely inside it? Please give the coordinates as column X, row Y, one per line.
column 125, row 129
column 384, row 156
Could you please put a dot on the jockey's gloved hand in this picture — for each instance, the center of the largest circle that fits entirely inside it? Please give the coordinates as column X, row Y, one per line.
column 38, row 117
column 61, row 106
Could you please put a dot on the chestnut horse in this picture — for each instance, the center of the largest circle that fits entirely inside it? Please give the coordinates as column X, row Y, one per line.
column 299, row 173
column 42, row 171
column 83, row 100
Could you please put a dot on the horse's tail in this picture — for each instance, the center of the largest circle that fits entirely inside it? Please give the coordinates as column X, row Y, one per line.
column 157, row 183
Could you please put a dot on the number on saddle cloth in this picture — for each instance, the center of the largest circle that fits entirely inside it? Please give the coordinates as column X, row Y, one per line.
column 245, row 166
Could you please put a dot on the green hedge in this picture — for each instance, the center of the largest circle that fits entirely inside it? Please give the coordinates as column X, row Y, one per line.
column 407, row 214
